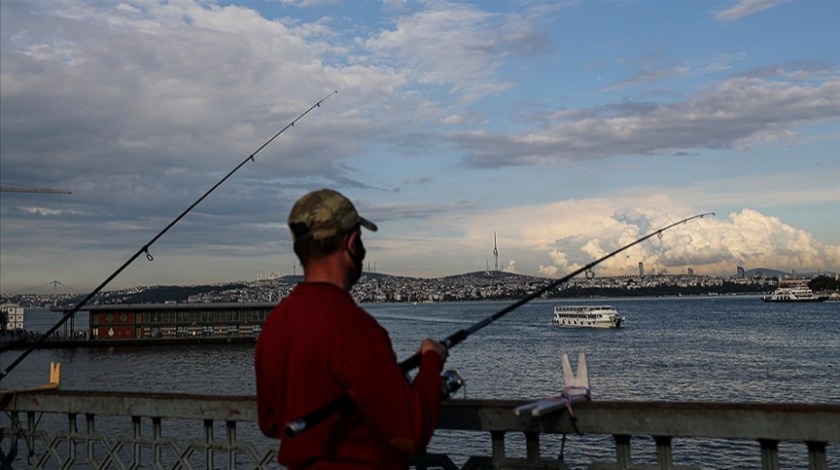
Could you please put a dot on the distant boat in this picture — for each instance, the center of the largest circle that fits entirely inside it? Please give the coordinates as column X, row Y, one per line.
column 586, row 316
column 799, row 293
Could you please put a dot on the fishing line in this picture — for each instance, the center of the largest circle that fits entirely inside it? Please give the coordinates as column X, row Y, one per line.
column 145, row 248
column 343, row 402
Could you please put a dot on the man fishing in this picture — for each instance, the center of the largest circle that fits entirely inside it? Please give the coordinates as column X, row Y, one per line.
column 318, row 345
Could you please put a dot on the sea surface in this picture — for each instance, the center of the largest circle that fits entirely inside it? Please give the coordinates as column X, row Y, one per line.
column 723, row 349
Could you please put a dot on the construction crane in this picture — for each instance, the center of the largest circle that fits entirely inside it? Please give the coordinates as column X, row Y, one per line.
column 22, row 188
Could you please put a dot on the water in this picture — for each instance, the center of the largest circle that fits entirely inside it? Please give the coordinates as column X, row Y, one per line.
column 729, row 349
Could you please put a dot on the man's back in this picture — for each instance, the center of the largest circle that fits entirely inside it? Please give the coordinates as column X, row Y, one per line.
column 318, row 344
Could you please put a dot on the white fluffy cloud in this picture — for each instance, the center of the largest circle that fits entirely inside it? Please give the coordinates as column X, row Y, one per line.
column 555, row 239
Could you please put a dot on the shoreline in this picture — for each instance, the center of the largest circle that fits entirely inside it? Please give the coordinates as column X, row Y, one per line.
column 111, row 343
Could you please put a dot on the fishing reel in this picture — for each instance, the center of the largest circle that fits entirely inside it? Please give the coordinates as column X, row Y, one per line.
column 450, row 382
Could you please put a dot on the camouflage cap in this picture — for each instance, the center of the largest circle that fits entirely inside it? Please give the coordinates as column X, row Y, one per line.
column 323, row 214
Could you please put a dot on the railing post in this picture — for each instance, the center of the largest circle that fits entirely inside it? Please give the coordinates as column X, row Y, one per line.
column 622, row 451
column 532, row 448
column 91, row 450
column 498, row 442
column 208, row 440
column 30, row 437
column 769, row 454
column 135, row 424
column 156, row 437
column 231, row 442
column 816, row 456
column 71, row 433
column 664, row 457
column 13, row 435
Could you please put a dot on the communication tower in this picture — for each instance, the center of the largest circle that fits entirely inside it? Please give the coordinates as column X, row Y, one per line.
column 495, row 251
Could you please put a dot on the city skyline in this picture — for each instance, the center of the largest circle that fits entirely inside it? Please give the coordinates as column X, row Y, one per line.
column 551, row 133
column 56, row 287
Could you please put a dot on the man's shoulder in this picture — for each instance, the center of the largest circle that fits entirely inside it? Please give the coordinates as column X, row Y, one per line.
column 331, row 301
column 355, row 315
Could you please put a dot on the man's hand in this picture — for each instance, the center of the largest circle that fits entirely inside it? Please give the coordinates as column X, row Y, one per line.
column 431, row 345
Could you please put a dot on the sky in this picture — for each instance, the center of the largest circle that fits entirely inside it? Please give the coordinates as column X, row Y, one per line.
column 558, row 131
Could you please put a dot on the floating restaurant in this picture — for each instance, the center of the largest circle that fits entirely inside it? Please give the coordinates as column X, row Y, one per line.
column 173, row 320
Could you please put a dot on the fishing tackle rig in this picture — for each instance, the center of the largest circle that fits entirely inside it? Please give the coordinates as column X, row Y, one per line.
column 145, row 248
column 344, row 402
column 576, row 390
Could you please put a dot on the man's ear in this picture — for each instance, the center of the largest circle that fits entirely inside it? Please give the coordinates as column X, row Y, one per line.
column 351, row 237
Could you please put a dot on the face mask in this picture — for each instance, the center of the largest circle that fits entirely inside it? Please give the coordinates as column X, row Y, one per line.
column 357, row 254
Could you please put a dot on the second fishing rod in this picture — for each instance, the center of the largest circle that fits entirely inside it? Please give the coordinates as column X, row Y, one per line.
column 145, row 248
column 345, row 402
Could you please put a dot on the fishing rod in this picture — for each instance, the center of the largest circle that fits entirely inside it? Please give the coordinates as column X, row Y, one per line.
column 145, row 248
column 344, row 401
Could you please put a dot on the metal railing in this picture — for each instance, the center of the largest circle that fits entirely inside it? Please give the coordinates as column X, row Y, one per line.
column 103, row 430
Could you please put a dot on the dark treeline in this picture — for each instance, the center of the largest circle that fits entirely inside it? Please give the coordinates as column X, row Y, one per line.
column 824, row 283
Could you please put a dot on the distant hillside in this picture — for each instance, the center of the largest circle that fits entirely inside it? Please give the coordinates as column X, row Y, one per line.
column 379, row 287
column 158, row 294
column 233, row 291
column 484, row 275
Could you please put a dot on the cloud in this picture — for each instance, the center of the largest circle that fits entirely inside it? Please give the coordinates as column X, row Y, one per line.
column 710, row 246
column 650, row 71
column 729, row 114
column 140, row 108
column 510, row 267
column 475, row 42
column 744, row 8
column 132, row 100
column 557, row 238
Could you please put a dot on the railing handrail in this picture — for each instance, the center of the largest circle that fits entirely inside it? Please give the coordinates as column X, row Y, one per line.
column 808, row 422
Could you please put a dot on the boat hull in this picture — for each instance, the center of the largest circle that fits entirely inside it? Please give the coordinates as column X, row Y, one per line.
column 585, row 316
column 599, row 325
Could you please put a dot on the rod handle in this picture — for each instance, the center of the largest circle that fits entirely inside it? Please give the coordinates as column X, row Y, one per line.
column 343, row 402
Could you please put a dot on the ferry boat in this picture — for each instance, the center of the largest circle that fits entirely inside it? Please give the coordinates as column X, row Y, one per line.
column 799, row 293
column 586, row 316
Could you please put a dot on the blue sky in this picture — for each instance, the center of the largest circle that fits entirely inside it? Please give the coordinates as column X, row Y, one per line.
column 567, row 129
